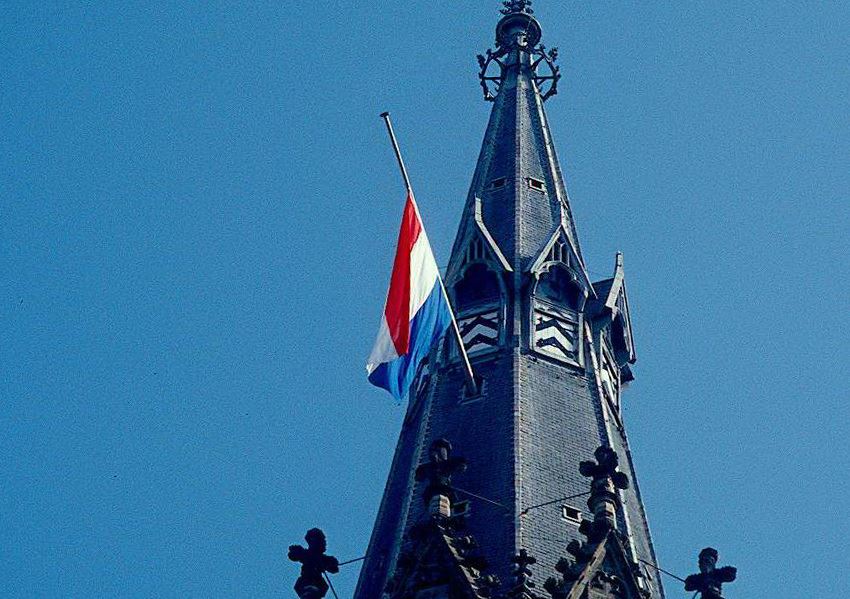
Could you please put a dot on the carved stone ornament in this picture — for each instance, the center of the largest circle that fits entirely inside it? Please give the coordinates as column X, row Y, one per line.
column 314, row 563
column 709, row 582
column 605, row 586
column 569, row 570
column 438, row 471
column 523, row 587
column 603, row 500
column 437, row 562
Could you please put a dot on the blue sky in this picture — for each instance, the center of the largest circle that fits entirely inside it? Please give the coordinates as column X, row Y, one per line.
column 198, row 208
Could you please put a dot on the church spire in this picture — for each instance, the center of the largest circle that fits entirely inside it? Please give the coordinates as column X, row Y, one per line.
column 552, row 350
column 518, row 187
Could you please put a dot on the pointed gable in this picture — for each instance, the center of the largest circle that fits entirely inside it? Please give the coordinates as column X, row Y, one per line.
column 437, row 564
column 475, row 243
column 600, row 571
column 611, row 309
column 560, row 249
column 477, row 287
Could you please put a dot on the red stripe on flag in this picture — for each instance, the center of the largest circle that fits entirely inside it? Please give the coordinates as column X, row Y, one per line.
column 398, row 299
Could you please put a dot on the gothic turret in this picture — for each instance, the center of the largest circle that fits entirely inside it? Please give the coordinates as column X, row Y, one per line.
column 552, row 351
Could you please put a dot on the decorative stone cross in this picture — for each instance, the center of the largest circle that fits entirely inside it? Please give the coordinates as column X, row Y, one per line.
column 709, row 582
column 606, row 480
column 314, row 563
column 438, row 471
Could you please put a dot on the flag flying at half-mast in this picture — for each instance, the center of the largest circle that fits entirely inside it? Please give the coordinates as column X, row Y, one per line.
column 416, row 313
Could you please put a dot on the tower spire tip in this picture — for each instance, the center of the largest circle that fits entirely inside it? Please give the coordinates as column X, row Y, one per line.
column 512, row 7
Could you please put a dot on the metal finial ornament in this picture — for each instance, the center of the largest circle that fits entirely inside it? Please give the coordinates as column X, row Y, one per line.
column 518, row 33
column 517, row 6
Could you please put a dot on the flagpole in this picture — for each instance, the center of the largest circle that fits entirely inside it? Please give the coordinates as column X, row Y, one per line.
column 470, row 375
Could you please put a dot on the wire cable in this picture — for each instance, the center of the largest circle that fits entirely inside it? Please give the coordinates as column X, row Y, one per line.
column 651, row 565
column 482, row 498
column 506, row 508
column 330, row 584
column 351, row 561
column 539, row 505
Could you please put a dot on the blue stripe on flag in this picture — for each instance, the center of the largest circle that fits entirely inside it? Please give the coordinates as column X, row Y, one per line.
column 429, row 323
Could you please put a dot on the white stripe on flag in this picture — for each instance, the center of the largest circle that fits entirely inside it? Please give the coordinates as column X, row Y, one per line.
column 384, row 348
column 423, row 272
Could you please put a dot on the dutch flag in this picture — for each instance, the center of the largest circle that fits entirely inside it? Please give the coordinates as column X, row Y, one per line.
column 417, row 312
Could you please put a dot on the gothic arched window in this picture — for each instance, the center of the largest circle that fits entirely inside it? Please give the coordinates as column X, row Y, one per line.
column 479, row 286
column 619, row 339
column 558, row 286
column 478, row 301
